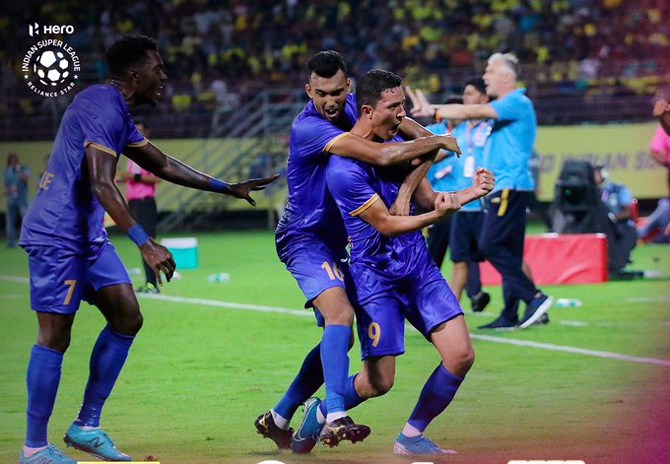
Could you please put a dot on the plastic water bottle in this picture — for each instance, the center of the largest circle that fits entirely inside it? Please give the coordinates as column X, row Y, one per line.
column 219, row 277
column 568, row 303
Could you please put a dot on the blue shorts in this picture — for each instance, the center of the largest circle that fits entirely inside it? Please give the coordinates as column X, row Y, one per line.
column 61, row 277
column 423, row 298
column 466, row 227
column 317, row 267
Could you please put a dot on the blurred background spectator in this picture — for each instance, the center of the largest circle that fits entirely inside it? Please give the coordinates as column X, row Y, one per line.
column 219, row 53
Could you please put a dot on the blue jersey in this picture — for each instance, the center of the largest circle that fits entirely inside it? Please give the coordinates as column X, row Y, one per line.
column 471, row 137
column 65, row 210
column 310, row 209
column 508, row 152
column 356, row 186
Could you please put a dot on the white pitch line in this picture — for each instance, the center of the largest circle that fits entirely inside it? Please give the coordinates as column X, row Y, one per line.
column 571, row 349
column 647, row 299
column 19, row 280
column 299, row 312
column 227, row 304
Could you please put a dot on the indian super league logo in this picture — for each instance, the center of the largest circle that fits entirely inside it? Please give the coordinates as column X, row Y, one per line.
column 50, row 66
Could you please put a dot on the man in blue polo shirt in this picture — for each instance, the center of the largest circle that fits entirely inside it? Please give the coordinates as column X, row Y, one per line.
column 507, row 155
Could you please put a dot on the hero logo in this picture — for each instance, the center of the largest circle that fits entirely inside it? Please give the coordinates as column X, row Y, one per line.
column 34, row 29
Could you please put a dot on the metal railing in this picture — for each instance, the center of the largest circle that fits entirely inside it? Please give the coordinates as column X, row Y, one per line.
column 257, row 135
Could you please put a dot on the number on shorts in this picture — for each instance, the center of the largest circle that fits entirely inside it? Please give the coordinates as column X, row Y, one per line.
column 374, row 332
column 70, row 290
column 334, row 272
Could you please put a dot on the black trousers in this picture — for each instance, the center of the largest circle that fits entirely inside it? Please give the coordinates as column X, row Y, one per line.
column 502, row 242
column 145, row 214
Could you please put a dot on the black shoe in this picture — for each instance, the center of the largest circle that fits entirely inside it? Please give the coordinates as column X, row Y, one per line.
column 265, row 425
column 343, row 429
column 544, row 319
column 480, row 301
column 535, row 309
column 500, row 323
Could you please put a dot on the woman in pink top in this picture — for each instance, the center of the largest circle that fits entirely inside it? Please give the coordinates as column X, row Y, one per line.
column 141, row 196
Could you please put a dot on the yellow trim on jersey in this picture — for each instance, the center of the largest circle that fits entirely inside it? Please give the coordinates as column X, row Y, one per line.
column 365, row 205
column 504, row 198
column 330, row 144
column 139, row 144
column 100, row 147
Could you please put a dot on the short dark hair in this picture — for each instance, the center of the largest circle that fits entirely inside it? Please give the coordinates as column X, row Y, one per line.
column 326, row 64
column 370, row 87
column 128, row 51
column 453, row 100
column 478, row 83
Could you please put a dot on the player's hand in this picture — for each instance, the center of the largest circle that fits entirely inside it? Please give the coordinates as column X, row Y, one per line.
column 159, row 258
column 483, row 181
column 242, row 189
column 420, row 104
column 451, row 144
column 661, row 107
column 447, row 202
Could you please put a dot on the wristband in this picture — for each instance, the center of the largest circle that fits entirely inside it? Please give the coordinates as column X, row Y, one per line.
column 137, row 235
column 436, row 116
column 218, row 185
column 137, row 177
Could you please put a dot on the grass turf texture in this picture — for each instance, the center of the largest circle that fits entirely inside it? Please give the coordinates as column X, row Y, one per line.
column 197, row 375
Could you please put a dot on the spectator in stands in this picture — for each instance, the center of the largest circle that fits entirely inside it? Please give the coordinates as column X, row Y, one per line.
column 618, row 200
column 16, row 191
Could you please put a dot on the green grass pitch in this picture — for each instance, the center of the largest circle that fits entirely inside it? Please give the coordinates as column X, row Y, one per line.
column 200, row 372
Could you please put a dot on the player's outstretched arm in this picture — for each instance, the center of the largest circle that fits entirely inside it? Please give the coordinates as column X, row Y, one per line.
column 378, row 216
column 101, row 171
column 388, row 154
column 151, row 158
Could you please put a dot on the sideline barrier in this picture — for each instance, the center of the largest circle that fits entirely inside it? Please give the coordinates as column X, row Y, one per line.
column 560, row 259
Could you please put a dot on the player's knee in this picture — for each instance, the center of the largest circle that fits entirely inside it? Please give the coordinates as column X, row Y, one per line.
column 464, row 359
column 128, row 323
column 57, row 341
column 372, row 387
column 382, row 386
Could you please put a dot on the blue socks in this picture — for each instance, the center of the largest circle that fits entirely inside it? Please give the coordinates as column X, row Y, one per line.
column 351, row 398
column 305, row 384
column 44, row 369
column 436, row 395
column 108, row 356
column 335, row 361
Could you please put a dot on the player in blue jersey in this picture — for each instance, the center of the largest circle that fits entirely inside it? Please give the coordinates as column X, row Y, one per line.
column 70, row 257
column 507, row 154
column 311, row 242
column 395, row 277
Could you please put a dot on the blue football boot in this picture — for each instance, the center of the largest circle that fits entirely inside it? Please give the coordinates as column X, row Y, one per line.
column 49, row 455
column 95, row 442
column 417, row 445
column 304, row 439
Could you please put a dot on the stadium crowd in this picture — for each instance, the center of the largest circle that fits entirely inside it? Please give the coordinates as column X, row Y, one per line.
column 219, row 53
